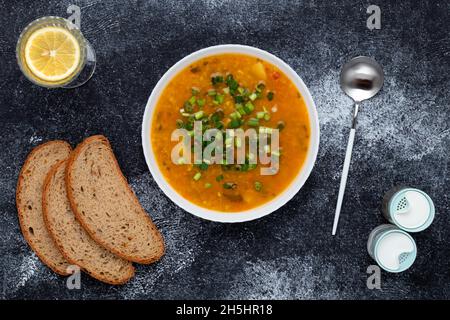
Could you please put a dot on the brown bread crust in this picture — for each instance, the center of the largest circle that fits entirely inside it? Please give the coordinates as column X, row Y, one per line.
column 83, row 265
column 26, row 233
column 69, row 185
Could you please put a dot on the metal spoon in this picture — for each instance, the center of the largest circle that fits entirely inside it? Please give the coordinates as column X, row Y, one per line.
column 361, row 79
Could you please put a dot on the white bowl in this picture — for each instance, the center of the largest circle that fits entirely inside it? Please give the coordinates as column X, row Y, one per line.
column 261, row 210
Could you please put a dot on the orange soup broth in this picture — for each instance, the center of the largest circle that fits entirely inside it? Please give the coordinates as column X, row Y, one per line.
column 294, row 138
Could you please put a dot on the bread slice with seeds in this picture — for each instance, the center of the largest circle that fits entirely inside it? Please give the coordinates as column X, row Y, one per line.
column 106, row 206
column 29, row 202
column 70, row 237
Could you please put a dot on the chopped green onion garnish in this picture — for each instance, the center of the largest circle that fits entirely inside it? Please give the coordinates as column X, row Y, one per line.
column 281, row 125
column 189, row 125
column 215, row 79
column 226, row 90
column 241, row 90
column 232, row 84
column 198, row 115
column 191, row 133
column 192, row 100
column 180, row 123
column 270, row 95
column 258, row 186
column 260, row 114
column 203, row 166
column 219, row 178
column 200, row 102
column 240, row 108
column 253, row 96
column 253, row 122
column 211, row 92
column 239, row 99
column 195, row 91
column 267, row 116
column 260, row 87
column 229, row 185
column 217, row 115
column 197, row 176
column 208, row 185
column 235, row 115
column 188, row 107
column 235, row 123
column 249, row 107
column 218, row 99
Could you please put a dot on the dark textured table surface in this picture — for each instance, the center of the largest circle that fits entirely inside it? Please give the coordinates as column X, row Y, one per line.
column 403, row 137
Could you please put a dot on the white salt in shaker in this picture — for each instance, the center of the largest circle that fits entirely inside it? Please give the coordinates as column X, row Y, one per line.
column 409, row 209
column 393, row 249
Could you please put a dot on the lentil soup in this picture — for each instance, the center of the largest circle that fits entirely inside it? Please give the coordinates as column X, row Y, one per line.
column 231, row 91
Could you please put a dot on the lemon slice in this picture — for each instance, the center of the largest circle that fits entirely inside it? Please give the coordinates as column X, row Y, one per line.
column 52, row 53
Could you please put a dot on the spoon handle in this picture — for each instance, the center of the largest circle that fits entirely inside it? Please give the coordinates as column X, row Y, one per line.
column 348, row 157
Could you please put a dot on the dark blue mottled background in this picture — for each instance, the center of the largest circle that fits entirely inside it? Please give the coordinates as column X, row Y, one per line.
column 403, row 137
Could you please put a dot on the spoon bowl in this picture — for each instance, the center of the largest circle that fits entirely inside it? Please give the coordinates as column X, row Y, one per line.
column 361, row 78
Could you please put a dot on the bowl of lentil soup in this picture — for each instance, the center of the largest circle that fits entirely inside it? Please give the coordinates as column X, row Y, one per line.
column 231, row 87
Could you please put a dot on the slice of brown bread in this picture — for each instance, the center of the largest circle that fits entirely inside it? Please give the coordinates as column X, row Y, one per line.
column 29, row 202
column 106, row 206
column 72, row 240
